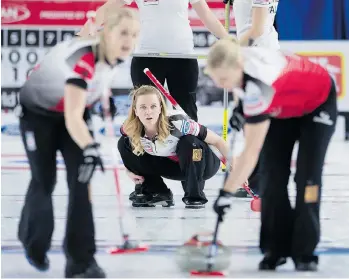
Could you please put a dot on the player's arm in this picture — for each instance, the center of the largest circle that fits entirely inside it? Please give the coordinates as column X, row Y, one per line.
column 218, row 142
column 74, row 107
column 75, row 94
column 255, row 134
column 260, row 12
column 101, row 13
column 209, row 19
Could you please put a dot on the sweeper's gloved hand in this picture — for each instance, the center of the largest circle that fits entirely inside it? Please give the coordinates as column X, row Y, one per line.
column 223, row 203
column 226, row 1
column 237, row 119
column 91, row 159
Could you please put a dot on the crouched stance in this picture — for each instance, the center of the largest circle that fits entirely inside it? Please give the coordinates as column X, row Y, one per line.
column 157, row 144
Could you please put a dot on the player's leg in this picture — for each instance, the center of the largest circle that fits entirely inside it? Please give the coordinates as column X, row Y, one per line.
column 138, row 64
column 155, row 65
column 182, row 79
column 198, row 163
column 39, row 136
column 277, row 214
column 152, row 168
column 79, row 242
column 316, row 132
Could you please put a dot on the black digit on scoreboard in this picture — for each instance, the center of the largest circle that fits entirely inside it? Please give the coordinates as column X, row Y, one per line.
column 14, row 56
column 15, row 73
column 32, row 57
column 67, row 35
column 14, row 38
column 32, row 38
column 50, row 38
column 2, row 37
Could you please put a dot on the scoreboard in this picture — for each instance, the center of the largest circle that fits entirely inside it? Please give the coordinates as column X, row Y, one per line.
column 30, row 28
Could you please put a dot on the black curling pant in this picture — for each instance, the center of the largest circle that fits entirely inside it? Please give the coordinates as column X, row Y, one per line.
column 42, row 137
column 192, row 167
column 181, row 76
column 286, row 231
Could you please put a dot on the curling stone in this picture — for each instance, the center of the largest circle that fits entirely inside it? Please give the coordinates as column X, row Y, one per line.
column 192, row 255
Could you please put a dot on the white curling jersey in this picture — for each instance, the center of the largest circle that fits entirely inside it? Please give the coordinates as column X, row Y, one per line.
column 243, row 19
column 69, row 62
column 165, row 26
column 180, row 125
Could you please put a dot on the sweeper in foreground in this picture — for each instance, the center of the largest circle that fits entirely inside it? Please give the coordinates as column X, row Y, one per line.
column 301, row 98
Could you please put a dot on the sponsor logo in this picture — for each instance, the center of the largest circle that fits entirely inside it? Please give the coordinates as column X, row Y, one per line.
column 323, row 118
column 333, row 62
column 10, row 129
column 11, row 13
column 63, row 15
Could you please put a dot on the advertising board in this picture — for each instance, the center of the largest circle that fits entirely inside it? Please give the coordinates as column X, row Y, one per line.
column 30, row 28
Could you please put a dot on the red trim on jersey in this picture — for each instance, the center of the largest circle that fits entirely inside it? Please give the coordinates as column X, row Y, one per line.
column 59, row 107
column 174, row 158
column 85, row 66
column 122, row 131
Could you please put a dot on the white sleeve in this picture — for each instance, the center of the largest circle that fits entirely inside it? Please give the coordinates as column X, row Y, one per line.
column 262, row 3
column 257, row 98
column 194, row 1
column 128, row 2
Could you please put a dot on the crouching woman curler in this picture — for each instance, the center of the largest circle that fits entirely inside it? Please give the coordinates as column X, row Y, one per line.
column 157, row 144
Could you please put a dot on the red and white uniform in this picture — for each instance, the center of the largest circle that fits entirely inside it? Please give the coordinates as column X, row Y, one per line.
column 280, row 85
column 180, row 125
column 70, row 62
column 243, row 19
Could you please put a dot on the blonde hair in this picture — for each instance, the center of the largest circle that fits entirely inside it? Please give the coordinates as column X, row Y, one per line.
column 133, row 127
column 112, row 18
column 224, row 52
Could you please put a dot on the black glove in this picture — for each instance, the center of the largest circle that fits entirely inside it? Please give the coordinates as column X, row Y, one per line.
column 237, row 119
column 222, row 203
column 112, row 107
column 226, row 1
column 91, row 159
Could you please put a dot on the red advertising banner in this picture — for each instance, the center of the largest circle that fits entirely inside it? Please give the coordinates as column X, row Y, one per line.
column 73, row 13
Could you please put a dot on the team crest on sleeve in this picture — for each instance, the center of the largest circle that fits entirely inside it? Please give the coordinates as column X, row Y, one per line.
column 254, row 102
column 190, row 127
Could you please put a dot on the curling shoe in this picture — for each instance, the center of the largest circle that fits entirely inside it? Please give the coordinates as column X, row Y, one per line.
column 241, row 193
column 306, row 263
column 92, row 271
column 142, row 200
column 194, row 203
column 164, row 199
column 137, row 191
column 40, row 264
column 270, row 262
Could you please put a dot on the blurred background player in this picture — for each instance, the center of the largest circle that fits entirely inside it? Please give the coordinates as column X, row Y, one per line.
column 157, row 143
column 254, row 21
column 166, row 28
column 55, row 101
column 301, row 98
